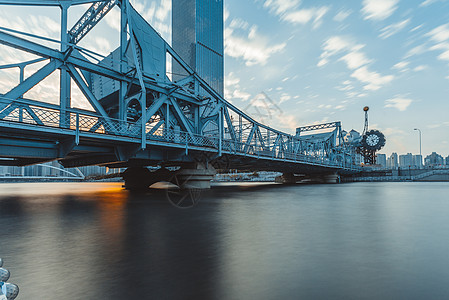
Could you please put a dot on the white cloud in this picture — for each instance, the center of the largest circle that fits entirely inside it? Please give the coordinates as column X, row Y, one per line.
column 399, row 103
column 355, row 59
column 253, row 48
column 439, row 34
column 427, row 2
column 284, row 97
column 38, row 25
column 401, row 65
column 416, row 51
column 342, row 15
column 239, row 24
column 225, row 14
column 420, row 68
column 373, row 80
column 378, row 9
column 416, row 28
column 345, row 88
column 393, row 29
column 158, row 15
column 281, row 6
column 304, row 16
column 289, row 11
column 232, row 89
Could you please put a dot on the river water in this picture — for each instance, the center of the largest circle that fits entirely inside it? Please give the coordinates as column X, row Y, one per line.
column 242, row 241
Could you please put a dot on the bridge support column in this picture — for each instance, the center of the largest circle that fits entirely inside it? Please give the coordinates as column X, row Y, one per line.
column 331, row 178
column 287, row 178
column 192, row 176
column 325, row 178
column 196, row 176
column 137, row 178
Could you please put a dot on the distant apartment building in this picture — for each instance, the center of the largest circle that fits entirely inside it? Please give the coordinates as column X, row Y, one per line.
column 434, row 160
column 381, row 159
column 417, row 161
column 406, row 160
column 392, row 162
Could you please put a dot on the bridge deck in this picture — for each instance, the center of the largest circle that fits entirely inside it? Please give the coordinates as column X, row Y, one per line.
column 87, row 140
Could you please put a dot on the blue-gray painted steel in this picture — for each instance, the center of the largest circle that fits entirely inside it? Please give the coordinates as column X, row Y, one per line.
column 137, row 105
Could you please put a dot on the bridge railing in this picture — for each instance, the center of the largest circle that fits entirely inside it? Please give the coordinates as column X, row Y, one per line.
column 22, row 111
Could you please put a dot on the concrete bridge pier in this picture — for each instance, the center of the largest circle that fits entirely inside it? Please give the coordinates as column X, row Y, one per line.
column 195, row 176
column 288, row 178
column 291, row 178
column 190, row 176
column 326, row 178
column 140, row 178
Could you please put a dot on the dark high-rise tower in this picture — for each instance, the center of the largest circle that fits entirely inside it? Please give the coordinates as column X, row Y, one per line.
column 198, row 38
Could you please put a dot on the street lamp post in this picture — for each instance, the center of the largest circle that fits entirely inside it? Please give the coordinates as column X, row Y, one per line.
column 420, row 154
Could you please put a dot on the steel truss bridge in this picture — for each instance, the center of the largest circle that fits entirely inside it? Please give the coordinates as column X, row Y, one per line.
column 140, row 116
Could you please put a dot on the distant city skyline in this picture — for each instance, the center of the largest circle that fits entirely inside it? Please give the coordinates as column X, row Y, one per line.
column 318, row 61
column 395, row 160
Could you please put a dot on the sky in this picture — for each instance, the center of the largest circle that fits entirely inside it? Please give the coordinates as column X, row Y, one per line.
column 290, row 63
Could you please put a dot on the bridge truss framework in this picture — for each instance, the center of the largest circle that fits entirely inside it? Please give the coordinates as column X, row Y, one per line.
column 140, row 116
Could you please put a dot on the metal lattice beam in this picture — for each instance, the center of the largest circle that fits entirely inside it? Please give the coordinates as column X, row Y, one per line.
column 89, row 19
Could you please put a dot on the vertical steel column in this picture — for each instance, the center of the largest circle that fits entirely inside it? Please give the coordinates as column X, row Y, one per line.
column 123, row 63
column 197, row 120
column 64, row 93
column 220, row 130
column 167, row 118
column 240, row 132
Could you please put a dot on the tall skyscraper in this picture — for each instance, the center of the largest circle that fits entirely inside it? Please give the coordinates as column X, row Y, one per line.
column 197, row 37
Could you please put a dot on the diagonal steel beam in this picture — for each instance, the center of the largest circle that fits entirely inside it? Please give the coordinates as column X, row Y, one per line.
column 181, row 116
column 259, row 135
column 249, row 139
column 33, row 115
column 229, row 122
column 81, row 63
column 45, row 2
column 154, row 107
column 90, row 18
column 87, row 92
column 156, row 127
column 34, row 79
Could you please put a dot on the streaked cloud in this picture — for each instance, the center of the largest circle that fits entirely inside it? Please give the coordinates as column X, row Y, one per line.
column 290, row 11
column 402, row 65
column 399, row 103
column 372, row 80
column 342, row 15
column 378, row 9
column 252, row 47
column 232, row 89
column 427, row 2
column 354, row 59
column 440, row 36
column 420, row 68
column 392, row 29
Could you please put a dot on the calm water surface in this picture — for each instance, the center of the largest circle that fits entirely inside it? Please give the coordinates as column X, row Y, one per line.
column 264, row 241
